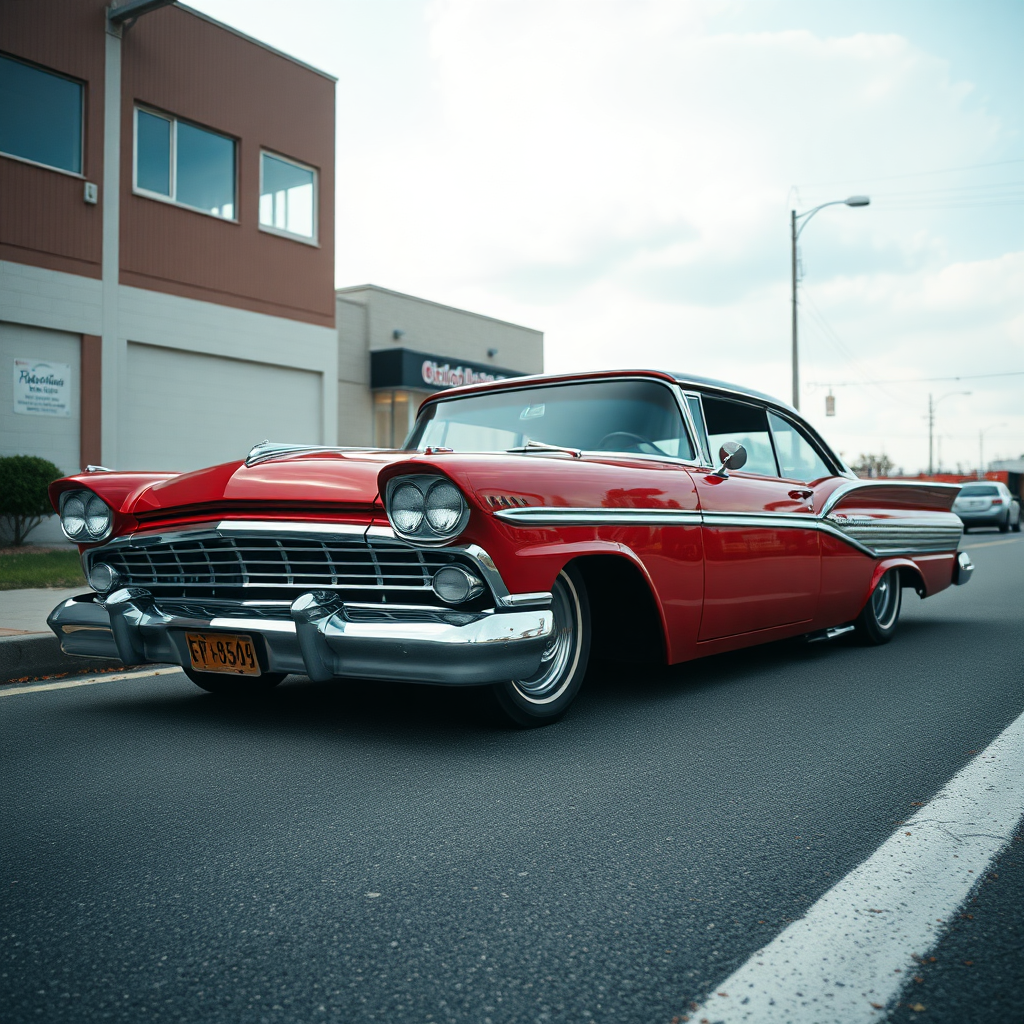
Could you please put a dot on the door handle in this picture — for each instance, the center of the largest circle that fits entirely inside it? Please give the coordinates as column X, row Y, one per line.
column 803, row 494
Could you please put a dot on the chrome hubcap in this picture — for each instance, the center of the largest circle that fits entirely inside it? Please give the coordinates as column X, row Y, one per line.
column 885, row 600
column 562, row 652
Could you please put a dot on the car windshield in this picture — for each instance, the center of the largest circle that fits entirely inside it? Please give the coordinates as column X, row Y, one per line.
column 973, row 490
column 613, row 416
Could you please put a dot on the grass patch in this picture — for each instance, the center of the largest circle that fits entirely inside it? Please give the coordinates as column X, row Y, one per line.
column 24, row 569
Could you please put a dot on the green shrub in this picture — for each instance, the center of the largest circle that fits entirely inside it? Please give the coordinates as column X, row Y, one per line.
column 23, row 500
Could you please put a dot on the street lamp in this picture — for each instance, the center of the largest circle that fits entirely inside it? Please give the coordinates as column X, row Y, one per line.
column 794, row 232
column 981, row 448
column 931, row 422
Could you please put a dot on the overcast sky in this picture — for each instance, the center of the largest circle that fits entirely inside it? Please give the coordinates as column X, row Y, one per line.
column 619, row 174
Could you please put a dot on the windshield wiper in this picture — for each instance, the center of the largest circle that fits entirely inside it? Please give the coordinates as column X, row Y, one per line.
column 540, row 446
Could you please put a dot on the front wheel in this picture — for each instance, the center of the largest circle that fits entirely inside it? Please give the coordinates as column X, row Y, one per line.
column 876, row 623
column 546, row 695
column 234, row 686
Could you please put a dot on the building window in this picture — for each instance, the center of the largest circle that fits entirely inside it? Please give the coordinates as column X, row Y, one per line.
column 393, row 413
column 40, row 116
column 181, row 163
column 288, row 197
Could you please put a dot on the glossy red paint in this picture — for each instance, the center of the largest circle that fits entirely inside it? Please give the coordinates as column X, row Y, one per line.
column 669, row 558
column 338, row 478
column 880, row 495
column 756, row 576
column 718, row 585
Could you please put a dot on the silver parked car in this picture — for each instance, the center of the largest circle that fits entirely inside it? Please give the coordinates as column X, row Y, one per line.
column 988, row 503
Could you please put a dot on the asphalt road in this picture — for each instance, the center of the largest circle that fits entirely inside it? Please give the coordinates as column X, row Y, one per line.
column 386, row 853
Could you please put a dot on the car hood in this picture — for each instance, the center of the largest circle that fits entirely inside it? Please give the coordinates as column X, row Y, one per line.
column 336, row 479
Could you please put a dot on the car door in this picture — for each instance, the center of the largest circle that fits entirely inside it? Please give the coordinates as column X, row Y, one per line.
column 762, row 562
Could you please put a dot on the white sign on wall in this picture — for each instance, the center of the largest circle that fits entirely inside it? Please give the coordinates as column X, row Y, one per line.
column 42, row 388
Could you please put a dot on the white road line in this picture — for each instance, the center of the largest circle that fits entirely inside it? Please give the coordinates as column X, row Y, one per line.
column 66, row 684
column 852, row 953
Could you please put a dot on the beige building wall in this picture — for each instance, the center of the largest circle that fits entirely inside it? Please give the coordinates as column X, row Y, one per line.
column 355, row 403
column 444, row 330
column 374, row 319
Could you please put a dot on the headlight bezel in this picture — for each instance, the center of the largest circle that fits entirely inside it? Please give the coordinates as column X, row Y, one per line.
column 425, row 483
column 85, row 535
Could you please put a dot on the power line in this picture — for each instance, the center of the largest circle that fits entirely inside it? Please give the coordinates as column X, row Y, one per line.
column 818, row 318
column 912, row 380
column 915, row 174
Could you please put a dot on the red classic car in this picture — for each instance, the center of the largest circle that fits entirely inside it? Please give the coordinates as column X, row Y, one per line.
column 525, row 522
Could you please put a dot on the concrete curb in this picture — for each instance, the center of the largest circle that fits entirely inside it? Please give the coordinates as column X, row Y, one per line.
column 39, row 654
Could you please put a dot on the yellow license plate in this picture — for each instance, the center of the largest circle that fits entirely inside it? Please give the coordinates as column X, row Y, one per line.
column 229, row 653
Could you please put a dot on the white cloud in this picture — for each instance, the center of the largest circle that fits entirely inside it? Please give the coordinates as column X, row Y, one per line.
column 618, row 175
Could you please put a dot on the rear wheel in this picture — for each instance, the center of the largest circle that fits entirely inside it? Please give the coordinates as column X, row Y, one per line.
column 876, row 623
column 1004, row 527
column 1016, row 525
column 234, row 686
column 546, row 695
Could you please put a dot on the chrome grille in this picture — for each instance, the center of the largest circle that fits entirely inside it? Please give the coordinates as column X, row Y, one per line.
column 195, row 565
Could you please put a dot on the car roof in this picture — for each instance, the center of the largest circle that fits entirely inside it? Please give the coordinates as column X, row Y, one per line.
column 693, row 380
column 683, row 379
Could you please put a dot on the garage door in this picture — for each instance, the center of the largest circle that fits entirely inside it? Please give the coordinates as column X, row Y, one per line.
column 184, row 410
column 24, row 429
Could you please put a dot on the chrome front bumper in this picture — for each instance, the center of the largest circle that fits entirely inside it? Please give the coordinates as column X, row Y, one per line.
column 324, row 638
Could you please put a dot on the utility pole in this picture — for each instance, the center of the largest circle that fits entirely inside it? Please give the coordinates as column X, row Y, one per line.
column 796, row 361
column 794, row 234
column 931, row 423
column 931, row 431
column 981, row 447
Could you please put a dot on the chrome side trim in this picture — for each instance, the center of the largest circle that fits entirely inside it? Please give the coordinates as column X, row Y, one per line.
column 826, row 527
column 549, row 516
column 940, row 531
column 770, row 520
column 908, row 535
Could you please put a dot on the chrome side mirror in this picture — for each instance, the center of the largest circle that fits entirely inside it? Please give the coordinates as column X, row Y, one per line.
column 733, row 456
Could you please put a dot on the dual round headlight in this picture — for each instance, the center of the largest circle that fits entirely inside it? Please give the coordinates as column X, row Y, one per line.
column 85, row 517
column 426, row 507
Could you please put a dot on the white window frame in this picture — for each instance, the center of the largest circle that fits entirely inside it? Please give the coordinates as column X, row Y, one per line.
column 173, row 175
column 81, row 121
column 280, row 232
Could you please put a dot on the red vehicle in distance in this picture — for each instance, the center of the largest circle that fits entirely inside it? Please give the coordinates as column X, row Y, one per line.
column 526, row 522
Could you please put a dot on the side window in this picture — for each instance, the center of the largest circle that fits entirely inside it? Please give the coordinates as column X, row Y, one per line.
column 287, row 197
column 185, row 164
column 40, row 116
column 798, row 459
column 697, row 413
column 748, row 424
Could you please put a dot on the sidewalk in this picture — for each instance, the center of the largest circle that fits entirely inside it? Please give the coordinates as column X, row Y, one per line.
column 28, row 649
column 25, row 611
